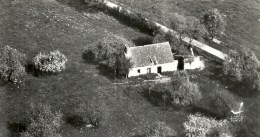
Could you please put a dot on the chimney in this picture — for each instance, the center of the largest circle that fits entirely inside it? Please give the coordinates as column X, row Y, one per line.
column 191, row 51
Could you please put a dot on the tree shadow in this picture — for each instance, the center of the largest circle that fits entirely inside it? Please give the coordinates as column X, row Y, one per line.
column 75, row 121
column 239, row 88
column 88, row 57
column 143, row 41
column 30, row 69
column 16, row 128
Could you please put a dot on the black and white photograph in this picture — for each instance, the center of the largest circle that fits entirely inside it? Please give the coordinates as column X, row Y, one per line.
column 129, row 68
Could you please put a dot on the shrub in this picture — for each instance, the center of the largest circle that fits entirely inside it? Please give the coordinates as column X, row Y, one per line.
column 12, row 64
column 201, row 126
column 94, row 113
column 160, row 129
column 43, row 122
column 183, row 91
column 53, row 62
column 243, row 65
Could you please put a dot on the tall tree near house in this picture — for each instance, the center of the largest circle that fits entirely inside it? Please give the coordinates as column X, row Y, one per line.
column 214, row 22
column 110, row 52
column 243, row 65
column 123, row 65
column 195, row 30
column 179, row 24
column 169, row 36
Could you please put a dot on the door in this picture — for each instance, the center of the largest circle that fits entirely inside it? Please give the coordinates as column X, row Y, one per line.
column 148, row 70
column 180, row 63
column 159, row 69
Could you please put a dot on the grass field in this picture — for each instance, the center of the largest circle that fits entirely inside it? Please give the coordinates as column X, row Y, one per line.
column 32, row 26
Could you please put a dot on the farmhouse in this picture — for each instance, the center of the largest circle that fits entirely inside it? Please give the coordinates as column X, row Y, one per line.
column 154, row 58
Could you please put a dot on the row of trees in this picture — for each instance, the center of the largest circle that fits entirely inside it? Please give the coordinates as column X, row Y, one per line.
column 13, row 62
column 210, row 25
column 110, row 52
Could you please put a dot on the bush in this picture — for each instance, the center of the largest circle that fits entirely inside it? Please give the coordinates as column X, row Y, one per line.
column 43, row 122
column 160, row 129
column 12, row 64
column 94, row 113
column 183, row 91
column 201, row 126
column 53, row 62
column 243, row 66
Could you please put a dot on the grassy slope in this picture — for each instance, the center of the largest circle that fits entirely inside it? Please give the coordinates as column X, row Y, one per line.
column 49, row 25
column 32, row 26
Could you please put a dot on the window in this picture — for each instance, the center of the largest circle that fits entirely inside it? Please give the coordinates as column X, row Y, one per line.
column 148, row 70
column 139, row 71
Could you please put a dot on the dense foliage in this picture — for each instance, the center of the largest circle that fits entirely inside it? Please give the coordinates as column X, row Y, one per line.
column 243, row 65
column 160, row 129
column 214, row 22
column 53, row 62
column 183, row 91
column 43, row 122
column 201, row 126
column 180, row 91
column 110, row 52
column 11, row 64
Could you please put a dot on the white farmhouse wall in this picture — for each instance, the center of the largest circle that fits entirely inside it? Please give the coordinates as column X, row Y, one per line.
column 143, row 70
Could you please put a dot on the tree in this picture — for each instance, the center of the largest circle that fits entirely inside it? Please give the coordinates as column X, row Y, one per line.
column 194, row 30
column 123, row 65
column 53, row 62
column 183, row 91
column 168, row 37
column 11, row 64
column 201, row 126
column 179, row 24
column 243, row 65
column 43, row 122
column 214, row 22
column 110, row 52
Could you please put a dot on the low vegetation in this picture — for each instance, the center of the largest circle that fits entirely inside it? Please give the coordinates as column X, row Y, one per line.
column 201, row 126
column 51, row 63
column 11, row 64
column 160, row 129
column 179, row 92
column 43, row 122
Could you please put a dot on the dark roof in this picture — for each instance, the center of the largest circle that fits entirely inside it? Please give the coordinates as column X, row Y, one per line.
column 149, row 55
